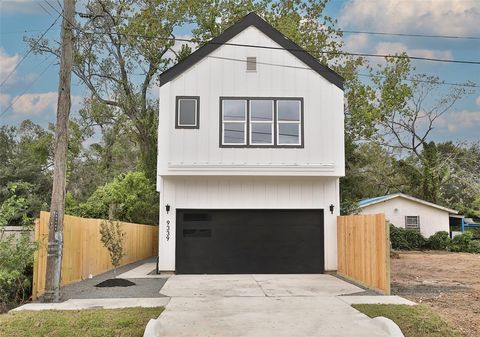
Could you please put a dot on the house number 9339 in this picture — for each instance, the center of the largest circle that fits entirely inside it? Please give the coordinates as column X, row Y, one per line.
column 168, row 230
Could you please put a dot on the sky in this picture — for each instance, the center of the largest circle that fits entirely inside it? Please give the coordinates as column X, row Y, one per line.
column 32, row 86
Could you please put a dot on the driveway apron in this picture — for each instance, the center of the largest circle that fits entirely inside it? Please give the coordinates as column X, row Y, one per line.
column 261, row 305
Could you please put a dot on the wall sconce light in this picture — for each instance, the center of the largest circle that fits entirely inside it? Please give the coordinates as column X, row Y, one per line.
column 331, row 208
column 167, row 208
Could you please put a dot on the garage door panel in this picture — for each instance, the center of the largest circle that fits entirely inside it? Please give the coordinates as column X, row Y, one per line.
column 249, row 241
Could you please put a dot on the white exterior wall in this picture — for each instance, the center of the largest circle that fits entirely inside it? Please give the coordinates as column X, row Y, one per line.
column 432, row 219
column 247, row 193
column 197, row 151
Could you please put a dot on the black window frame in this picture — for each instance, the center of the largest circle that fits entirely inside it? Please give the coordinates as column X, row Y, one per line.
column 275, row 144
column 177, row 112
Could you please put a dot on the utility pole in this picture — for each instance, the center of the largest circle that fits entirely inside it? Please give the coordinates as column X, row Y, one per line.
column 57, row 205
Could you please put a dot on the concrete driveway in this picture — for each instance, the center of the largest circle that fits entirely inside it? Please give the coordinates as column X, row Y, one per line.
column 261, row 305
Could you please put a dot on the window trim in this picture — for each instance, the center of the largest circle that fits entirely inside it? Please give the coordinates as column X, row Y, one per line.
column 177, row 112
column 248, row 143
column 412, row 216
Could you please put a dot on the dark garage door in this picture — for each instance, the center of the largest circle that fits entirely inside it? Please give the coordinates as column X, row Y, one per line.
column 249, row 241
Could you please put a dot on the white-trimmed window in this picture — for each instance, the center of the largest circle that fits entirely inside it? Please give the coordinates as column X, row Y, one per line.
column 187, row 112
column 412, row 222
column 261, row 122
column 234, row 122
column 289, row 120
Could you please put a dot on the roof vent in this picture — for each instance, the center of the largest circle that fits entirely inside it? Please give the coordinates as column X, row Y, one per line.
column 251, row 64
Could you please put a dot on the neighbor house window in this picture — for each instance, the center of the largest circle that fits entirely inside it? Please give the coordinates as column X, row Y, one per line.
column 187, row 112
column 261, row 122
column 412, row 222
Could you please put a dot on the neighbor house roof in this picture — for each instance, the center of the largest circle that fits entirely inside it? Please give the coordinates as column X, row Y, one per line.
column 371, row 201
column 254, row 20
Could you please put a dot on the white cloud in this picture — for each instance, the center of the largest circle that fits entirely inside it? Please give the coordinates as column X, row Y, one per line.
column 7, row 65
column 448, row 17
column 357, row 42
column 459, row 120
column 478, row 100
column 19, row 6
column 391, row 48
column 4, row 101
column 34, row 104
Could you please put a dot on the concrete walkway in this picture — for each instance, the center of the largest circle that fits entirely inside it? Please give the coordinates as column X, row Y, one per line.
column 261, row 305
column 97, row 303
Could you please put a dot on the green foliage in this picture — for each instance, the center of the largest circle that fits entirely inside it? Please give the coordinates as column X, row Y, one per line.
column 439, row 241
column 406, row 239
column 129, row 197
column 398, row 238
column 113, row 237
column 16, row 268
column 25, row 179
column 464, row 243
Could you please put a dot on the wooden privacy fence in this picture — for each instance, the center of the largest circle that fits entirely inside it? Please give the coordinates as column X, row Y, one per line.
column 83, row 252
column 363, row 243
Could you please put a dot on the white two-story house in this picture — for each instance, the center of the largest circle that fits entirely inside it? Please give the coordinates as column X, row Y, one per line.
column 250, row 152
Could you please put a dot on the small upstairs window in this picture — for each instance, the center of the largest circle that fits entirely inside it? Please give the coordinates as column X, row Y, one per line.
column 187, row 112
column 251, row 64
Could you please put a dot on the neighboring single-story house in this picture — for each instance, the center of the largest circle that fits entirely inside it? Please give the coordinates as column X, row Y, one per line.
column 408, row 212
column 250, row 152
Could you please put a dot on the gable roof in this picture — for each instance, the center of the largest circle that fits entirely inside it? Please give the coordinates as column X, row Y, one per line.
column 252, row 19
column 371, row 201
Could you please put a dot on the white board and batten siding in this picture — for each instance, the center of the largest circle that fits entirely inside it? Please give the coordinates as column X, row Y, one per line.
column 189, row 192
column 195, row 172
column 197, row 151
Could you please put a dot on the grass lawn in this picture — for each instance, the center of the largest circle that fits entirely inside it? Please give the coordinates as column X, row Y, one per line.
column 414, row 321
column 128, row 322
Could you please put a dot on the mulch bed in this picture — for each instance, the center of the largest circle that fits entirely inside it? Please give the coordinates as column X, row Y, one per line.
column 115, row 282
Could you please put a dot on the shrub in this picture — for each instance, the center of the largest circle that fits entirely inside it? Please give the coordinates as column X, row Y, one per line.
column 16, row 269
column 464, row 243
column 406, row 239
column 397, row 238
column 113, row 237
column 439, row 241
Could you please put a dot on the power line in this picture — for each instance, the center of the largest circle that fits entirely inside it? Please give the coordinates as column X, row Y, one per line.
column 28, row 88
column 364, row 75
column 431, row 59
column 29, row 51
column 411, row 35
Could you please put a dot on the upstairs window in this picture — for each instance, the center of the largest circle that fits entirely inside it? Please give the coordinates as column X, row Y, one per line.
column 261, row 122
column 187, row 112
column 234, row 122
column 289, row 118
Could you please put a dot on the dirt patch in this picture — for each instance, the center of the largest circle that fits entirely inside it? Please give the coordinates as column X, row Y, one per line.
column 447, row 282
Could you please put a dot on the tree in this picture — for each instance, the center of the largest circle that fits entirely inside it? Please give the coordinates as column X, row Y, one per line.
column 113, row 237
column 120, row 47
column 129, row 197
